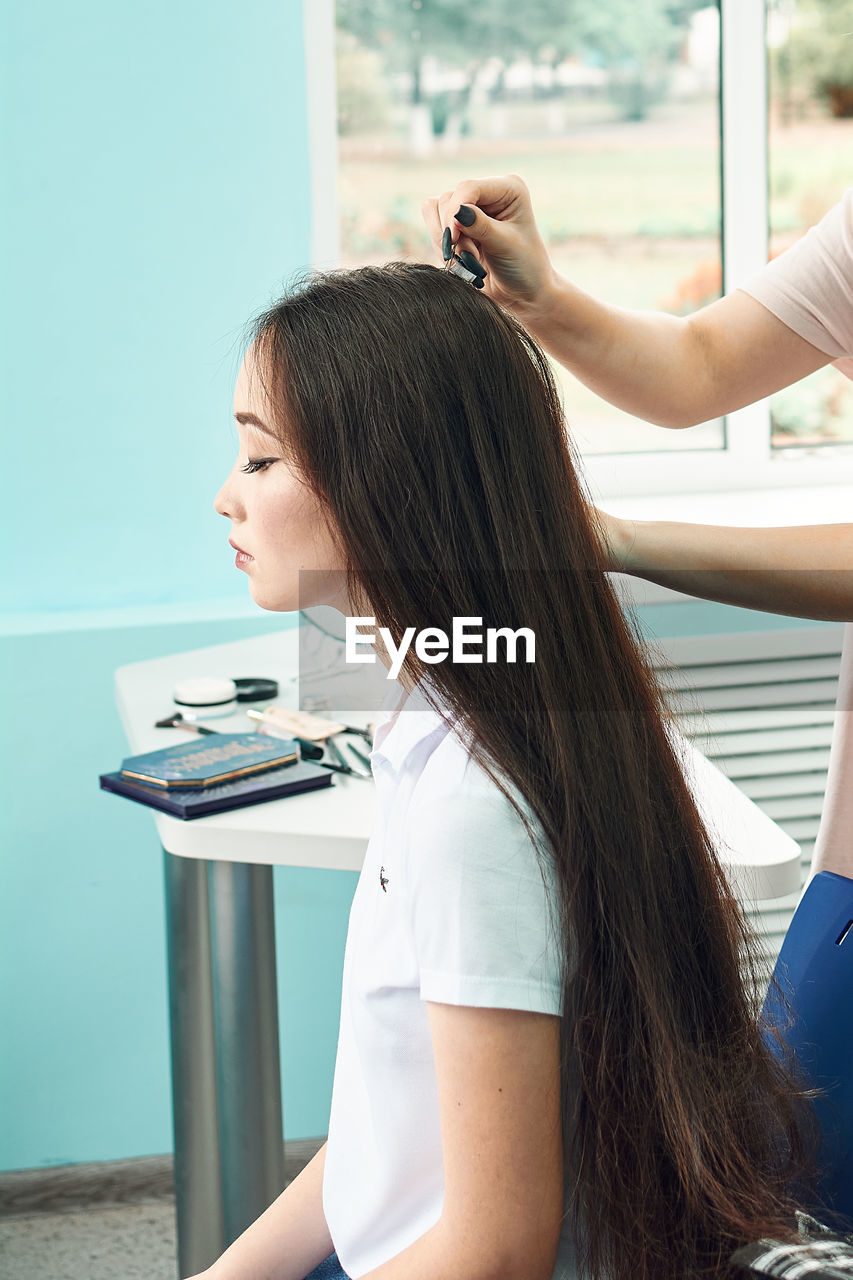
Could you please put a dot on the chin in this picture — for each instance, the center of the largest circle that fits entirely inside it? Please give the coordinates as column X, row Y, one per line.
column 283, row 603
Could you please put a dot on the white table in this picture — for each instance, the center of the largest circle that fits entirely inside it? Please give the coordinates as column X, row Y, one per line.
column 226, row 1080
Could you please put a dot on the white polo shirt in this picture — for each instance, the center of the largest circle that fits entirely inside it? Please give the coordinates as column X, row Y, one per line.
column 451, row 907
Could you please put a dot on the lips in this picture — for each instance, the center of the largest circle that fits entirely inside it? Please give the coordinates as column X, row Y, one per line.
column 236, row 548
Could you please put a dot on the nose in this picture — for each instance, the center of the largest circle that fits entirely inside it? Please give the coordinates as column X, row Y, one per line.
column 222, row 502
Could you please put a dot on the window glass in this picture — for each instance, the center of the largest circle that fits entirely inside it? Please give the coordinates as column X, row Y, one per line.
column 810, row 68
column 608, row 110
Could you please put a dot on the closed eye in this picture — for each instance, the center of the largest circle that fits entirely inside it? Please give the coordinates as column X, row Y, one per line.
column 257, row 465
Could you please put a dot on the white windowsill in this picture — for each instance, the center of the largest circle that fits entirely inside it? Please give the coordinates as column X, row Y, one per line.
column 771, row 508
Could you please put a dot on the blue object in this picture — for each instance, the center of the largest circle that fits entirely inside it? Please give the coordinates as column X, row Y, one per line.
column 815, row 971
column 183, row 802
column 208, row 764
column 329, row 1269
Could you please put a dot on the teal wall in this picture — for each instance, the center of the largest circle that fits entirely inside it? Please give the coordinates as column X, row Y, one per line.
column 159, row 199
column 156, row 197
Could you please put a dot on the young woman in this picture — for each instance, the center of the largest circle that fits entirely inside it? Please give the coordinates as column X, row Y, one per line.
column 549, row 1058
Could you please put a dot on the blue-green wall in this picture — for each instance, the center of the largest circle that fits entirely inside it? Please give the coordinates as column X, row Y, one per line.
column 156, row 196
column 158, row 199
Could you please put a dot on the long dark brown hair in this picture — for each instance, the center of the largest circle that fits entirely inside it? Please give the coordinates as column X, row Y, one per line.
column 428, row 423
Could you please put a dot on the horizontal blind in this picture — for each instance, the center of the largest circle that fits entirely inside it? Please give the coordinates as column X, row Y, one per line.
column 761, row 706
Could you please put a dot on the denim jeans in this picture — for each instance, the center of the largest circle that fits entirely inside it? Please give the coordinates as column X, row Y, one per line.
column 815, row 970
column 329, row 1269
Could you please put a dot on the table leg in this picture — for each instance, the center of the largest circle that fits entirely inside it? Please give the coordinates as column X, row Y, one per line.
column 198, row 1192
column 243, row 969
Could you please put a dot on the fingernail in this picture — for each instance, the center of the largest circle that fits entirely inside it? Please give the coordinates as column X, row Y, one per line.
column 468, row 260
column 447, row 244
column 479, row 283
column 466, row 215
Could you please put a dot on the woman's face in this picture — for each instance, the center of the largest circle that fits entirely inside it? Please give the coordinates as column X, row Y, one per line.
column 275, row 517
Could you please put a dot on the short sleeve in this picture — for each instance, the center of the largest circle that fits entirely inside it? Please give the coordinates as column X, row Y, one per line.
column 809, row 287
column 483, row 914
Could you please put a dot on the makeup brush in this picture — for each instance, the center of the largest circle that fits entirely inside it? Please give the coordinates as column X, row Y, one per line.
column 177, row 721
column 308, row 750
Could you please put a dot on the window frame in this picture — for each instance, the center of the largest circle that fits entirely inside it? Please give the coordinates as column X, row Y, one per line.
column 746, row 461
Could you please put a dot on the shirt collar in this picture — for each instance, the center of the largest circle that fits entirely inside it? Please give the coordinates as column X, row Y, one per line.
column 408, row 720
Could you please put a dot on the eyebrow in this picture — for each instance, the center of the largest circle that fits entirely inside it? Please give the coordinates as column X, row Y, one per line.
column 249, row 420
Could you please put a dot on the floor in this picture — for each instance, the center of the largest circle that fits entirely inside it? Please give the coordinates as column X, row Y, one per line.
column 108, row 1221
column 126, row 1242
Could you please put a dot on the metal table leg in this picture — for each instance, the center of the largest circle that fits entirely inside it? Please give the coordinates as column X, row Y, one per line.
column 198, row 1194
column 251, row 1133
column 226, row 1078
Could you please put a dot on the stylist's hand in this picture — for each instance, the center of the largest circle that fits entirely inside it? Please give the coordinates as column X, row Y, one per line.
column 501, row 232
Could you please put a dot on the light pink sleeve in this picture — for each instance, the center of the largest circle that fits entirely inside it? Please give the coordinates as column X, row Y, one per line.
column 809, row 287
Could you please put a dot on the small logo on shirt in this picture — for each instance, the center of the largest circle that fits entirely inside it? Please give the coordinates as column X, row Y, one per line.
column 383, row 879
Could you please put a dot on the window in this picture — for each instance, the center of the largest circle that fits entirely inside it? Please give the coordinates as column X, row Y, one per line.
column 810, row 137
column 619, row 123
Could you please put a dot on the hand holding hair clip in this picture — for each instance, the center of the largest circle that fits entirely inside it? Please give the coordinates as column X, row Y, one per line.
column 463, row 264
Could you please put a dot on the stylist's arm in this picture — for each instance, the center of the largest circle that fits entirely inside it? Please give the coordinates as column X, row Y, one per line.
column 675, row 372
column 802, row 571
column 670, row 370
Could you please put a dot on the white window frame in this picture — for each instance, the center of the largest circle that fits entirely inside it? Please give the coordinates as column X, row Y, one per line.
column 747, row 462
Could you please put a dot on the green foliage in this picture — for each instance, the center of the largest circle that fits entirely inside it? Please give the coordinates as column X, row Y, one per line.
column 363, row 96
column 818, row 55
column 461, row 32
column 457, row 30
column 816, row 409
column 634, row 32
column 637, row 41
column 634, row 39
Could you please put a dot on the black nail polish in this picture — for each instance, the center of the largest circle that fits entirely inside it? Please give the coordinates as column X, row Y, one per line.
column 479, row 283
column 466, row 215
column 473, row 264
column 447, row 244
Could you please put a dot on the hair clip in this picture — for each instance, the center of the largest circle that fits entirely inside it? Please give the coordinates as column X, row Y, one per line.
column 463, row 264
